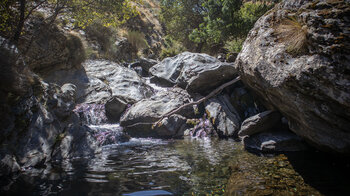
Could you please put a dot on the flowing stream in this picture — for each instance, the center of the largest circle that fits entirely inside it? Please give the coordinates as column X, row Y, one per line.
column 147, row 166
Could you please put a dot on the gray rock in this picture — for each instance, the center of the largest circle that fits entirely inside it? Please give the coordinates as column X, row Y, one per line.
column 245, row 102
column 223, row 116
column 48, row 48
column 276, row 141
column 123, row 82
column 101, row 80
column 69, row 91
column 310, row 88
column 114, row 108
column 78, row 141
column 173, row 126
column 197, row 73
column 261, row 122
column 138, row 120
column 146, row 64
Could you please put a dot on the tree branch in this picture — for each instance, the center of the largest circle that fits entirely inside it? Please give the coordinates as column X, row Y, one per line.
column 213, row 93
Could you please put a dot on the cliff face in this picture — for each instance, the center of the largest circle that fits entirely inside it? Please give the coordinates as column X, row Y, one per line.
column 297, row 59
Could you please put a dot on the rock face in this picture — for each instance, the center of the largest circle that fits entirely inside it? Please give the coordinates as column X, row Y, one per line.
column 138, row 120
column 38, row 121
column 261, row 122
column 223, row 116
column 197, row 73
column 48, row 48
column 309, row 85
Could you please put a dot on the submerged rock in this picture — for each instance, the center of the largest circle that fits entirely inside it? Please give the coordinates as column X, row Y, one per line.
column 274, row 141
column 197, row 73
column 306, row 77
column 138, row 120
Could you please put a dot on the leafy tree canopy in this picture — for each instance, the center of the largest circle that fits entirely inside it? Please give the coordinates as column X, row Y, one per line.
column 211, row 22
column 13, row 13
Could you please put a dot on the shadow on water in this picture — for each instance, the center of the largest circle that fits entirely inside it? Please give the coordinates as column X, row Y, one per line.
column 327, row 173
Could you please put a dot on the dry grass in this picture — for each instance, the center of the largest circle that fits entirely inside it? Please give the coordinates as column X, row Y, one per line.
column 137, row 40
column 294, row 34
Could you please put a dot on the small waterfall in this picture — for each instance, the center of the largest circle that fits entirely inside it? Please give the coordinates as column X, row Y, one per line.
column 91, row 114
column 109, row 134
column 94, row 116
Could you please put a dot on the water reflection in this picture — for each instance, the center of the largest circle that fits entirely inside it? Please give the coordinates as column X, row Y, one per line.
column 178, row 167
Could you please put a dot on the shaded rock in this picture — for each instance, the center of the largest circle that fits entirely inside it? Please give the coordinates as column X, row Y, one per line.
column 78, row 141
column 231, row 57
column 245, row 103
column 174, row 126
column 311, row 88
column 146, row 64
column 275, row 141
column 261, row 122
column 138, row 120
column 48, row 48
column 223, row 116
column 197, row 73
column 15, row 77
column 124, row 50
column 114, row 108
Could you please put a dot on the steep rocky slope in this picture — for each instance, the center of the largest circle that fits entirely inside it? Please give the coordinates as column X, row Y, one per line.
column 297, row 59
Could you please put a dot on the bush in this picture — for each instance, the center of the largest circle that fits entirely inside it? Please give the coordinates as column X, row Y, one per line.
column 234, row 45
column 137, row 40
column 294, row 34
column 76, row 50
column 172, row 48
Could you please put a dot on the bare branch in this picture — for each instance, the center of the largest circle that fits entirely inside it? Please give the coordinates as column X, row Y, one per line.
column 213, row 93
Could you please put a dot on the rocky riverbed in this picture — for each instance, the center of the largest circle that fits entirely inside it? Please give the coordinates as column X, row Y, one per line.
column 85, row 123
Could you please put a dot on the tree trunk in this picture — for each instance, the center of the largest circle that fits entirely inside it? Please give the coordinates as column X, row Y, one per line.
column 20, row 24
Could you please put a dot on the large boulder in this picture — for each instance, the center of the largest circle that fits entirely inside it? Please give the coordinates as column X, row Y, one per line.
column 138, row 120
column 223, row 116
column 297, row 59
column 197, row 73
column 99, row 81
column 123, row 82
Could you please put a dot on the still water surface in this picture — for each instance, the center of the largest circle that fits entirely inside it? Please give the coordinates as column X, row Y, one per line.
column 183, row 167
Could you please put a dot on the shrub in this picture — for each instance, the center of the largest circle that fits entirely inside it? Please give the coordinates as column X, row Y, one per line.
column 76, row 50
column 294, row 34
column 172, row 48
column 234, row 45
column 137, row 40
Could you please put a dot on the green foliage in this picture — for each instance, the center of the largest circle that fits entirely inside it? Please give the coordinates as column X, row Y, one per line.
column 172, row 48
column 227, row 18
column 234, row 45
column 180, row 18
column 84, row 12
column 207, row 24
column 109, row 12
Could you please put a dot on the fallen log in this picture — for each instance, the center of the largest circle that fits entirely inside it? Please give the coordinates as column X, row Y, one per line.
column 212, row 94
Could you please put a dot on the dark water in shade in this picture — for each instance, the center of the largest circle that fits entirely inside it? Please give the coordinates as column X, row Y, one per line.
column 188, row 167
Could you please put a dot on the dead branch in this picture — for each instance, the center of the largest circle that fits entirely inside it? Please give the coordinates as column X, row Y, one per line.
column 213, row 93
